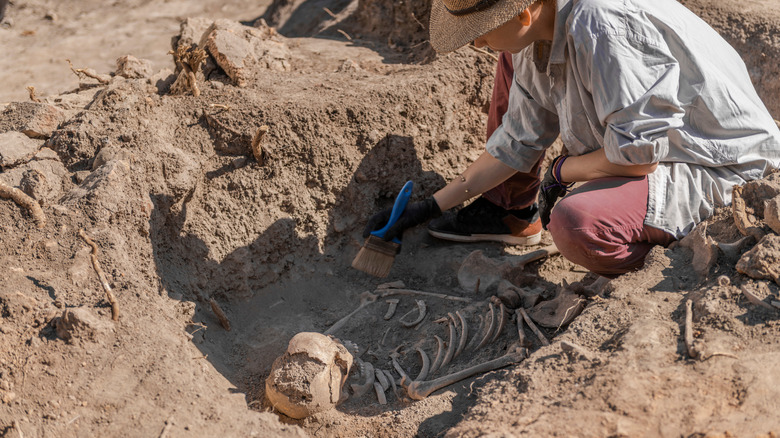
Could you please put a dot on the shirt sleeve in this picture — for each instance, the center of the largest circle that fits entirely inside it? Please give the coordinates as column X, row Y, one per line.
column 526, row 130
column 634, row 83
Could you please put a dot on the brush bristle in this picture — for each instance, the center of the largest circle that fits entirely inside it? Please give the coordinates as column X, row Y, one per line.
column 376, row 257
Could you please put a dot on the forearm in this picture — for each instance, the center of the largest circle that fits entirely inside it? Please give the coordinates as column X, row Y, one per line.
column 482, row 175
column 595, row 165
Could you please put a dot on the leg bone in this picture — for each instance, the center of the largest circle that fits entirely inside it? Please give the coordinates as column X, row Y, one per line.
column 420, row 390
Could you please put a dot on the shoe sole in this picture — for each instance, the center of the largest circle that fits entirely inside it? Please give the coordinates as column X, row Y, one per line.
column 533, row 239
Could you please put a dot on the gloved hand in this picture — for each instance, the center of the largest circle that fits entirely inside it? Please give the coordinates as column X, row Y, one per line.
column 414, row 214
column 551, row 189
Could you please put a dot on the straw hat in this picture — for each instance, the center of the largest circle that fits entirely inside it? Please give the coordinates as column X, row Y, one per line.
column 455, row 23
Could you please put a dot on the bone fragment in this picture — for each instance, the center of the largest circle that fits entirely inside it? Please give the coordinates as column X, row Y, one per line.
column 741, row 219
column 754, row 299
column 450, row 345
column 421, row 308
column 366, row 298
column 393, row 303
column 535, row 329
column 24, row 201
column 391, row 379
column 398, row 284
column 397, row 366
column 489, row 326
column 522, row 340
column 522, row 260
column 426, row 364
column 390, row 292
column 420, row 390
column 381, row 378
column 380, row 393
column 359, row 390
column 733, row 249
column 464, row 328
column 501, row 322
column 692, row 352
column 439, row 356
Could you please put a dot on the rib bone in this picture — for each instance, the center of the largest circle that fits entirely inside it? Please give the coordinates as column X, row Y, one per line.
column 501, row 322
column 391, row 309
column 380, row 393
column 450, row 345
column 426, row 364
column 464, row 334
column 420, row 390
column 366, row 298
column 439, row 356
column 489, row 326
column 397, row 366
column 421, row 308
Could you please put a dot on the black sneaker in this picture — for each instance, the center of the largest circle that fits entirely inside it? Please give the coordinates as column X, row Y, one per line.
column 484, row 221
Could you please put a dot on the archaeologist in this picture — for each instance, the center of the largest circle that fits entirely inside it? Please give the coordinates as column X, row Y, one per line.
column 656, row 111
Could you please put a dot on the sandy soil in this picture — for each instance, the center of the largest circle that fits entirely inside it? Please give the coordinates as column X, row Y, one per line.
column 185, row 215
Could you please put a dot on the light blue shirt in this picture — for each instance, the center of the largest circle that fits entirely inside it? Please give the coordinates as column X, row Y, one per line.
column 649, row 82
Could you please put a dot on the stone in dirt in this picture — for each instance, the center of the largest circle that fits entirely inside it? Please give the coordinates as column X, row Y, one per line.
column 81, row 323
column 705, row 249
column 763, row 260
column 17, row 148
column 130, row 67
column 772, row 214
column 309, row 376
column 35, row 120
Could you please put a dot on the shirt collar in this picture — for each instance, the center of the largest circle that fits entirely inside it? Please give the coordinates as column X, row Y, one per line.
column 557, row 51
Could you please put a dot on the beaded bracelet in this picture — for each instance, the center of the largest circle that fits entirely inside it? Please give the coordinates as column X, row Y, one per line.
column 557, row 165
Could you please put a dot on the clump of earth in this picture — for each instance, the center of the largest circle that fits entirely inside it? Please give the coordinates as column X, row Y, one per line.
column 225, row 186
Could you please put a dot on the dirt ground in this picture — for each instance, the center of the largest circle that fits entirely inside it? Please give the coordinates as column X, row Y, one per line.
column 188, row 219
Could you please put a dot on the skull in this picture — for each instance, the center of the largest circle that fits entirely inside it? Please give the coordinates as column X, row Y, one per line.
column 309, row 376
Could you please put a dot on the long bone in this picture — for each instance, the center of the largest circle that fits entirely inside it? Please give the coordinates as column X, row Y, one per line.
column 464, row 333
column 421, row 308
column 537, row 332
column 366, row 298
column 439, row 356
column 426, row 364
column 489, row 326
column 390, row 292
column 420, row 390
column 522, row 340
column 501, row 322
column 450, row 345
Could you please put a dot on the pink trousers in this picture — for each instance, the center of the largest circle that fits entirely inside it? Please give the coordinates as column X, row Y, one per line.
column 599, row 225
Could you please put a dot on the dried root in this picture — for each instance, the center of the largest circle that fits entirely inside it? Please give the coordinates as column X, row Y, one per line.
column 31, row 90
column 188, row 60
column 257, row 145
column 25, row 201
column 223, row 320
column 693, row 353
column 101, row 276
column 90, row 73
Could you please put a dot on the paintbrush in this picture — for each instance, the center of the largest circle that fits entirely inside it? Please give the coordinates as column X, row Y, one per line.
column 377, row 255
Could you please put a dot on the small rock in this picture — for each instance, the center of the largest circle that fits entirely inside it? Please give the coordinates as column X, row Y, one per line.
column 705, row 249
column 772, row 214
column 163, row 80
column 8, row 397
column 232, row 52
column 109, row 154
column 763, row 260
column 80, row 176
column 46, row 154
column 81, row 323
column 35, row 185
column 130, row 67
column 349, row 66
column 34, row 119
column 17, row 148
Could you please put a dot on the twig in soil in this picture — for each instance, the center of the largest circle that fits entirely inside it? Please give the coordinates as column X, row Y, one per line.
column 484, row 52
column 205, row 356
column 721, row 353
column 390, row 292
column 754, row 299
column 692, row 352
column 31, row 90
column 189, row 60
column 417, row 21
column 535, row 329
column 167, row 427
column 88, row 72
column 199, row 325
column 346, row 35
column 24, row 201
column 329, row 12
column 220, row 106
column 18, row 428
column 223, row 321
column 257, row 145
column 101, row 276
column 73, row 419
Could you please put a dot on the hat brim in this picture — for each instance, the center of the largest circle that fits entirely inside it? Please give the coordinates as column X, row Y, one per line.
column 449, row 32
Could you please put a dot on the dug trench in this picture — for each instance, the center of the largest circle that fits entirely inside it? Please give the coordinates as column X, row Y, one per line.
column 186, row 214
